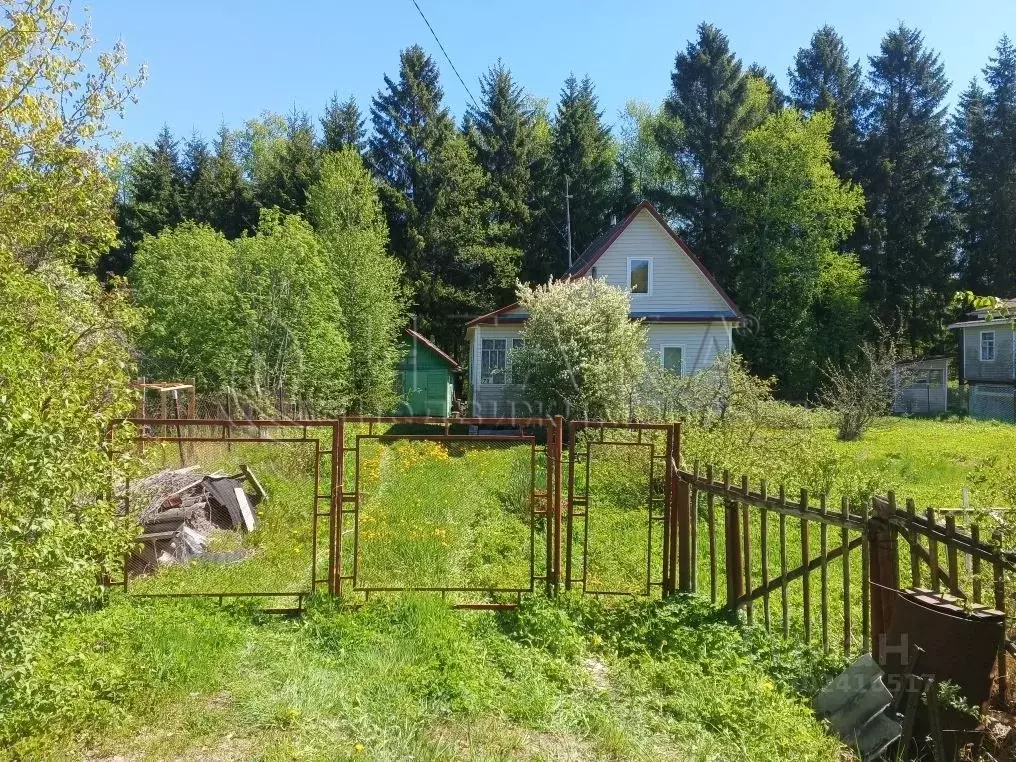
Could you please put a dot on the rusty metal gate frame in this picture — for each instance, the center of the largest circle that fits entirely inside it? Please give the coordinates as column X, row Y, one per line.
column 226, row 427
column 659, row 508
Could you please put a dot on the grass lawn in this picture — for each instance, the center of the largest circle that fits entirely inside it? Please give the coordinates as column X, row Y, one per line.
column 407, row 677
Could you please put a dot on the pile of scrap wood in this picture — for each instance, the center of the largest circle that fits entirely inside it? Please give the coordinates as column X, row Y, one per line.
column 179, row 510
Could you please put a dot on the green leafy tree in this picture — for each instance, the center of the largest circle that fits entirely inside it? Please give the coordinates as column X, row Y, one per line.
column 346, row 211
column 907, row 245
column 823, row 79
column 792, row 213
column 342, row 126
column 583, row 151
column 184, row 280
column 290, row 338
column 712, row 100
column 645, row 170
column 581, row 355
column 64, row 363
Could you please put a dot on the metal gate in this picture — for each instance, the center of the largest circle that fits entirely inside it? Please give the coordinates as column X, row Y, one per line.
column 637, row 542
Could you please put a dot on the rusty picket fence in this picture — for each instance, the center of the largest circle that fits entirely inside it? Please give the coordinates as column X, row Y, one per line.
column 749, row 547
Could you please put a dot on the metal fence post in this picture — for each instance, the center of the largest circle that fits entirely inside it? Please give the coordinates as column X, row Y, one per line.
column 558, row 448
column 335, row 525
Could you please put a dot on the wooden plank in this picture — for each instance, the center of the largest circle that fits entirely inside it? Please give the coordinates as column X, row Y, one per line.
column 975, row 563
column 783, row 565
column 795, row 574
column 711, row 518
column 865, row 588
column 824, row 575
column 933, row 554
column 805, row 559
column 746, row 521
column 734, row 569
column 951, row 556
column 998, row 572
column 764, row 525
column 694, row 532
column 915, row 560
column 844, row 541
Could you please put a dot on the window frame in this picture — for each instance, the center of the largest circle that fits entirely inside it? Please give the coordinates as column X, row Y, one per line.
column 663, row 352
column 649, row 276
column 488, row 380
column 994, row 346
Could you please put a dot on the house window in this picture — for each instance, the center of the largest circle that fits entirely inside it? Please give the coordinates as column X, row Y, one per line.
column 671, row 358
column 987, row 346
column 516, row 343
column 640, row 274
column 493, row 361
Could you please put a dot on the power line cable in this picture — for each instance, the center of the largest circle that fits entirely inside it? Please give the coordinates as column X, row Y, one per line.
column 447, row 57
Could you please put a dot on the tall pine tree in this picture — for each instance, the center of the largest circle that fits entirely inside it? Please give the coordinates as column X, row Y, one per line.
column 431, row 191
column 293, row 166
column 907, row 244
column 501, row 131
column 711, row 98
column 232, row 211
column 984, row 139
column 582, row 151
column 823, row 79
column 342, row 125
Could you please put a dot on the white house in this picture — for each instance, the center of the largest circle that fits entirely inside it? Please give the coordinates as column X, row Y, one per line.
column 689, row 317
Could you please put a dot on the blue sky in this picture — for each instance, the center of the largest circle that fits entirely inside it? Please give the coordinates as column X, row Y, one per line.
column 227, row 60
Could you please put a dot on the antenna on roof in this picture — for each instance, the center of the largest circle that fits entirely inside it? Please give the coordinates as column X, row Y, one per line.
column 567, row 212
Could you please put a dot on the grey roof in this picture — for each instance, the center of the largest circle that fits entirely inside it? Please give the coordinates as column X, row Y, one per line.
column 590, row 250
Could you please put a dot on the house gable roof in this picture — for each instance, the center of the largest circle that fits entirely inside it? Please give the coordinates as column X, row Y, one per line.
column 598, row 248
column 419, row 337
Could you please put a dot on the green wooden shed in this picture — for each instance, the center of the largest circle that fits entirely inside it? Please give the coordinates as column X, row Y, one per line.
column 427, row 377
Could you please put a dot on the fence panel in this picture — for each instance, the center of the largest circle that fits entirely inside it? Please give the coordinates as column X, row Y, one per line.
column 618, row 535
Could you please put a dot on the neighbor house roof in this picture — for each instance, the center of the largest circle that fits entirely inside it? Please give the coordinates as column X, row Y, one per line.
column 416, row 336
column 596, row 249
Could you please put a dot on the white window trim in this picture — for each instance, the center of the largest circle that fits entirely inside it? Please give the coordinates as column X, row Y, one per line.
column 684, row 354
column 481, row 381
column 994, row 346
column 649, row 292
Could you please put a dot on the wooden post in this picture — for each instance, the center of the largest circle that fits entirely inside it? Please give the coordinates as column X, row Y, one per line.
column 845, row 541
column 764, row 532
column 805, row 560
column 882, row 578
column 746, row 529
column 732, row 536
column 998, row 571
column 683, row 506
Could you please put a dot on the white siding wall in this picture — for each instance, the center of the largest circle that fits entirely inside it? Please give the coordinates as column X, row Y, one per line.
column 700, row 342
column 677, row 284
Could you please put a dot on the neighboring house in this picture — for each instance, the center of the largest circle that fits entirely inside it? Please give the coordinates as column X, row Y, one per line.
column 922, row 386
column 426, row 377
column 690, row 318
column 988, row 361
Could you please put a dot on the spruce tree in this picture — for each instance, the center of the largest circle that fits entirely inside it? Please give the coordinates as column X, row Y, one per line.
column 153, row 197
column 711, row 98
column 907, row 244
column 501, row 131
column 233, row 211
column 293, row 167
column 431, row 190
column 583, row 151
column 342, row 125
column 823, row 79
column 984, row 138
column 198, row 189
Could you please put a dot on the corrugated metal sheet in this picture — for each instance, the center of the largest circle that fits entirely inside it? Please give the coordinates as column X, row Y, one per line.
column 855, row 703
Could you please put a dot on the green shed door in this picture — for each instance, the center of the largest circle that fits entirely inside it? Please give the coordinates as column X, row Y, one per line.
column 437, row 393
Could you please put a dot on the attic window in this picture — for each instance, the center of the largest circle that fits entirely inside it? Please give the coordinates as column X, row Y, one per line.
column 640, row 273
column 987, row 346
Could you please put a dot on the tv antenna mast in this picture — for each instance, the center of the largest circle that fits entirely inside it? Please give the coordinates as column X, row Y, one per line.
column 567, row 212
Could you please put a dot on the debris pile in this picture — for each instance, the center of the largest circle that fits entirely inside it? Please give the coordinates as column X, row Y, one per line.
column 180, row 510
